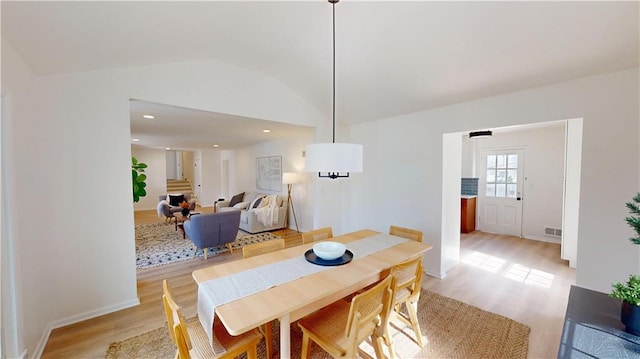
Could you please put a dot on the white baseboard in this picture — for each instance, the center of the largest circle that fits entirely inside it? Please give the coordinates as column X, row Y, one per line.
column 78, row 318
column 436, row 274
column 543, row 239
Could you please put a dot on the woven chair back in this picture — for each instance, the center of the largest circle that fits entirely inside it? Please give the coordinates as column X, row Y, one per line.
column 319, row 234
column 255, row 249
column 408, row 233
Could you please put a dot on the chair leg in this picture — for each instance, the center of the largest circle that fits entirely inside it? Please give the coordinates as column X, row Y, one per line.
column 412, row 308
column 230, row 248
column 377, row 347
column 386, row 339
column 267, row 338
column 306, row 346
column 206, row 252
column 252, row 353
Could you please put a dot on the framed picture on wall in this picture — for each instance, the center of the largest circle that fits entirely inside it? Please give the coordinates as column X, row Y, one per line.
column 269, row 173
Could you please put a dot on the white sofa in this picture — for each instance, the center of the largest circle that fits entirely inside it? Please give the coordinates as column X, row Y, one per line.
column 248, row 218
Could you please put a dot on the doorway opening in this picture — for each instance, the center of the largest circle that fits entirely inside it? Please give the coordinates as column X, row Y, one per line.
column 536, row 196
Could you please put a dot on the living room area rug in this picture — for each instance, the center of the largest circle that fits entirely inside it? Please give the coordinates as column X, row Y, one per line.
column 451, row 329
column 160, row 243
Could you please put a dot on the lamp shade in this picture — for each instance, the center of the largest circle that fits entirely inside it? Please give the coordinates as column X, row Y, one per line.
column 333, row 157
column 289, row 177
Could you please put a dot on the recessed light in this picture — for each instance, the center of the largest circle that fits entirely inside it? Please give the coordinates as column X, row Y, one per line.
column 216, row 145
column 136, row 140
column 168, row 148
column 148, row 116
column 266, row 131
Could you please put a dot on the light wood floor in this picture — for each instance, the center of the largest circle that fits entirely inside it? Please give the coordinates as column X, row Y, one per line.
column 521, row 279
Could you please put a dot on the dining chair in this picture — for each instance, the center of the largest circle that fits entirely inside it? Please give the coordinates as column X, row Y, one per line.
column 256, row 249
column 408, row 233
column 317, row 235
column 252, row 250
column 340, row 327
column 408, row 275
column 191, row 340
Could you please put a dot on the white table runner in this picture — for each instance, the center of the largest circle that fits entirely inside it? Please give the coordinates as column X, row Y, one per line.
column 223, row 290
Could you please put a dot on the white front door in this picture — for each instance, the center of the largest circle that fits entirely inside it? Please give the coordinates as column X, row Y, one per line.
column 500, row 191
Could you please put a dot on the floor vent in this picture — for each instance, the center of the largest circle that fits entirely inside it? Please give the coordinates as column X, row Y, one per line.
column 555, row 232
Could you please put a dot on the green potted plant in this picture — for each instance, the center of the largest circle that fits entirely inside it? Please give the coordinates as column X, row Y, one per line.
column 138, row 178
column 629, row 292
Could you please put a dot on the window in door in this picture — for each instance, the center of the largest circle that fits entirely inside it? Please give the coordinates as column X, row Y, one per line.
column 502, row 175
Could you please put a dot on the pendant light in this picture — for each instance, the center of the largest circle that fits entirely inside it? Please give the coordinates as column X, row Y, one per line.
column 333, row 160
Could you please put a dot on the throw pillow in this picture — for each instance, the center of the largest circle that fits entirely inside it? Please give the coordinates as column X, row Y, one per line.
column 175, row 200
column 264, row 202
column 256, row 202
column 236, row 199
column 171, row 194
column 241, row 205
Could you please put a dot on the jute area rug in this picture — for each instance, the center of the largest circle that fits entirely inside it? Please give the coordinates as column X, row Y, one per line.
column 160, row 243
column 451, row 329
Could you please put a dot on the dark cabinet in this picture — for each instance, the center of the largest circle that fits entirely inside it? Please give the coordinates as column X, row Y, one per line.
column 468, row 215
column 592, row 328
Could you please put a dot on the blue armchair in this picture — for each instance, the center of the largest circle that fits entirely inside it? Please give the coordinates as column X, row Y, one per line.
column 213, row 229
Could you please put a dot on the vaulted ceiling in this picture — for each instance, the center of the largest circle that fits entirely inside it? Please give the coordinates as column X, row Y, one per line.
column 392, row 57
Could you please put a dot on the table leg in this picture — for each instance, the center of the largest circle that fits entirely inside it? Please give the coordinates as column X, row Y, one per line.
column 285, row 337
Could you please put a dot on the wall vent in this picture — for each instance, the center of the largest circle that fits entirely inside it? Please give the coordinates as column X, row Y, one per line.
column 554, row 232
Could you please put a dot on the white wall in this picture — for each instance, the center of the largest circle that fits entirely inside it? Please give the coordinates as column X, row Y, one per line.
column 188, row 166
column 403, row 159
column 17, row 84
column 571, row 210
column 243, row 164
column 543, row 174
column 210, row 172
column 469, row 148
column 155, row 171
column 93, row 271
column 451, row 173
column 170, row 157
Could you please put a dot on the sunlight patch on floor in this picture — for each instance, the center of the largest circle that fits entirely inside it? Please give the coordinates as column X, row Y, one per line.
column 528, row 275
column 513, row 271
column 400, row 333
column 484, row 261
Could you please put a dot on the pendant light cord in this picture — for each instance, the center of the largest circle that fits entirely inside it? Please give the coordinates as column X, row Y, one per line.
column 334, row 71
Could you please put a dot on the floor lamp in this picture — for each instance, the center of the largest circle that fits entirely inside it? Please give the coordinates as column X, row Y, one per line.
column 289, row 178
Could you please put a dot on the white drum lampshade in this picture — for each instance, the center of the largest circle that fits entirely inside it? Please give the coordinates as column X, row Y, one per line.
column 289, row 178
column 333, row 157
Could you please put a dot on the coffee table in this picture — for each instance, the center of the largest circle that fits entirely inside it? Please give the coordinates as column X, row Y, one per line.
column 180, row 219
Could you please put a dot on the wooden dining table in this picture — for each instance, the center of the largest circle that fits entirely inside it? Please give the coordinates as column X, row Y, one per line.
column 291, row 301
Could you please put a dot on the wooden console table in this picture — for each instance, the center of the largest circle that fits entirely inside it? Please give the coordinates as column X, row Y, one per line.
column 592, row 328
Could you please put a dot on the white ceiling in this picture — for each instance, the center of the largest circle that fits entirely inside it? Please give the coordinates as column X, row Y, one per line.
column 392, row 57
column 186, row 129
